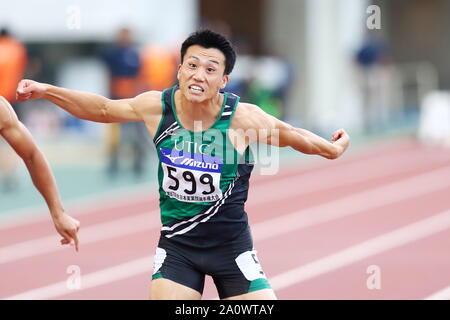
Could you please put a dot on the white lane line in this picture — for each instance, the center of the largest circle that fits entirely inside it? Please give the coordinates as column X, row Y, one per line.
column 327, row 178
column 380, row 166
column 280, row 226
column 346, row 206
column 377, row 245
column 374, row 246
column 94, row 279
column 109, row 200
column 358, row 202
column 310, row 182
column 443, row 294
column 81, row 206
column 94, row 233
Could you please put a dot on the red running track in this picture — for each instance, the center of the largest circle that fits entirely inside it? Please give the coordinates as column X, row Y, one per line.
column 319, row 228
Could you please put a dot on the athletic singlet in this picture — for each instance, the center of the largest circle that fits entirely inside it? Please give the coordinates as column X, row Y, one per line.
column 203, row 179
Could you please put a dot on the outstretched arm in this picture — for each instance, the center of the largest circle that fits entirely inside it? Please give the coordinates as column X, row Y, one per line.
column 83, row 105
column 278, row 133
column 22, row 142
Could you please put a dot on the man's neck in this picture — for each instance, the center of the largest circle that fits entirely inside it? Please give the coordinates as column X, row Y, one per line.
column 206, row 111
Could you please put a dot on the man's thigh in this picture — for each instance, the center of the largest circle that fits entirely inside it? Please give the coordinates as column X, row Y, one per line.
column 240, row 275
column 175, row 274
column 264, row 294
column 165, row 289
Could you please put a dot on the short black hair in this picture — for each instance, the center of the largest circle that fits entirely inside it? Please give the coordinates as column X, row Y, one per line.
column 209, row 39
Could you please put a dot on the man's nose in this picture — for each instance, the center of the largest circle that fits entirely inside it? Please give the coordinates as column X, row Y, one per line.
column 199, row 74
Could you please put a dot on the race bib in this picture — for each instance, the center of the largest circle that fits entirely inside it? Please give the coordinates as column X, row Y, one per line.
column 191, row 177
column 249, row 265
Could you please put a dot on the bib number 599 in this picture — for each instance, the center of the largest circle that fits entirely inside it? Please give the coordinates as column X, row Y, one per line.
column 190, row 181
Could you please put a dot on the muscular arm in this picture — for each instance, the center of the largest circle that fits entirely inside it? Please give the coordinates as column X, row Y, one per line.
column 15, row 133
column 90, row 106
column 275, row 132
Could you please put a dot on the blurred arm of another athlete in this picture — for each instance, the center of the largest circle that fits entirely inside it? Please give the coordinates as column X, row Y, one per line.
column 275, row 132
column 89, row 106
column 20, row 139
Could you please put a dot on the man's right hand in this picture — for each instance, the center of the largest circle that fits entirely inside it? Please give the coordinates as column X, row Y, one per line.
column 67, row 227
column 29, row 89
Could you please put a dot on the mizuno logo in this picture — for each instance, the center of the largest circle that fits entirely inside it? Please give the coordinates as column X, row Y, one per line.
column 199, row 164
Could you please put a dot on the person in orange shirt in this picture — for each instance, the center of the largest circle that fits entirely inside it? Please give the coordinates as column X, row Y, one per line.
column 12, row 66
column 159, row 67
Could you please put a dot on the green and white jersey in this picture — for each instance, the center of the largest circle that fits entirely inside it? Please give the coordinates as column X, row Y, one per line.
column 203, row 179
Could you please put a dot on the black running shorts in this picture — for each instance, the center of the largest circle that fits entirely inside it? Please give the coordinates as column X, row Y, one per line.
column 233, row 266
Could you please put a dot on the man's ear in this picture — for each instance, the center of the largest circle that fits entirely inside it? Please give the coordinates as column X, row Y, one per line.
column 225, row 79
column 178, row 72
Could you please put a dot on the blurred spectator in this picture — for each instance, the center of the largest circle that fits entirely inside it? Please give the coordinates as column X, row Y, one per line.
column 369, row 54
column 375, row 71
column 268, row 88
column 13, row 60
column 124, row 64
column 159, row 67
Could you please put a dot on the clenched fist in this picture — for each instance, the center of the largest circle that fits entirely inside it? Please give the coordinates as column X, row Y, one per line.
column 341, row 139
column 29, row 89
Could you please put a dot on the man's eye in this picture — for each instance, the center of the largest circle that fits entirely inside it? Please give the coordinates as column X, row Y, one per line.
column 192, row 65
column 211, row 70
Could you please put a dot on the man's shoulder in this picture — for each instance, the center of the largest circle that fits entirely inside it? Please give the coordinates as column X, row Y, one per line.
column 148, row 102
column 247, row 110
column 246, row 116
column 147, row 98
column 152, row 95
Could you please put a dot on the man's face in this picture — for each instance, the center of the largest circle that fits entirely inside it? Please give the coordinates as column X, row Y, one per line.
column 201, row 75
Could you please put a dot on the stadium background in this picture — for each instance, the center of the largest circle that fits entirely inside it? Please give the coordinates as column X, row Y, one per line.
column 376, row 68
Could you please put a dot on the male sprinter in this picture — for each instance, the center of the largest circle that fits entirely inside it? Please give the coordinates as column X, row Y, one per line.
column 15, row 133
column 202, row 192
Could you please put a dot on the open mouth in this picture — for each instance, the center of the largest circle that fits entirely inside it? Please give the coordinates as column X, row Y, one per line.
column 196, row 89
